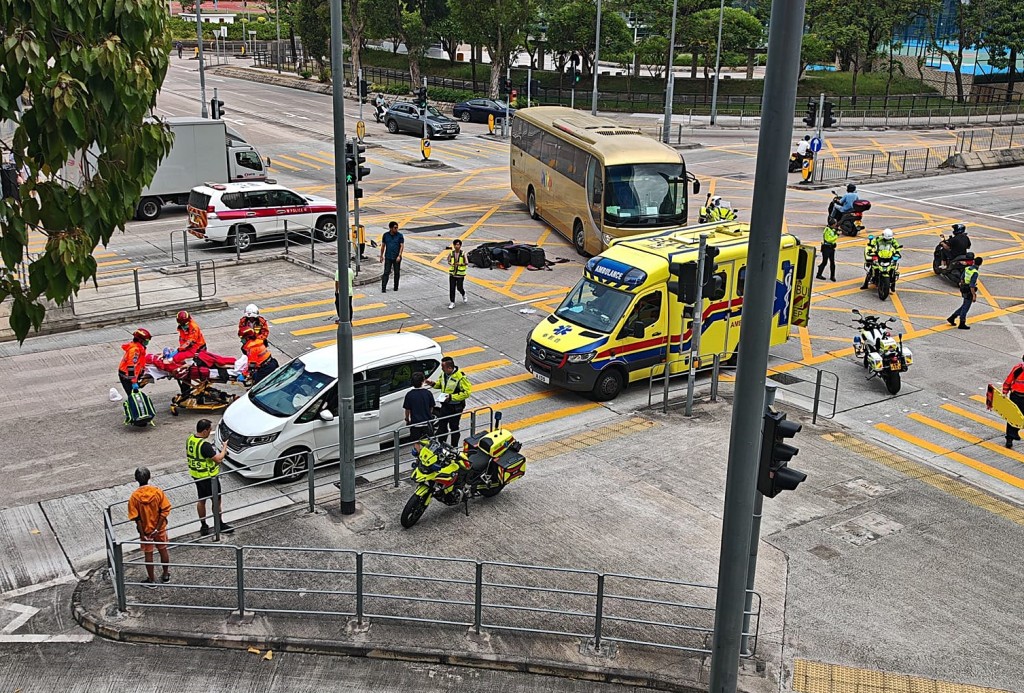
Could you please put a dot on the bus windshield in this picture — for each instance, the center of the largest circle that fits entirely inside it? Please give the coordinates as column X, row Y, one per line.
column 594, row 306
column 639, row 195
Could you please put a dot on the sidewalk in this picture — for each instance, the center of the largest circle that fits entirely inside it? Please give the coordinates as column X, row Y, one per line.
column 876, row 562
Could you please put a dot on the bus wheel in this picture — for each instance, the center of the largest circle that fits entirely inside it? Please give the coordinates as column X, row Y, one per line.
column 579, row 238
column 531, row 203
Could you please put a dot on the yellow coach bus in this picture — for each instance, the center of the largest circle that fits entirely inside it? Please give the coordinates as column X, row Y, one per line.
column 594, row 181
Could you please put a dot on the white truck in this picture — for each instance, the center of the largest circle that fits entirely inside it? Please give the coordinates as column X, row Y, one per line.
column 204, row 151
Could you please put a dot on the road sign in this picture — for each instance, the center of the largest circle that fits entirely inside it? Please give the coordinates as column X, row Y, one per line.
column 360, row 130
column 815, row 144
column 425, row 148
column 490, row 123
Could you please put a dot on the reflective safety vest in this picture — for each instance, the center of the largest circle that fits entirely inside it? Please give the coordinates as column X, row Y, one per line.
column 1015, row 380
column 190, row 337
column 457, row 264
column 257, row 352
column 198, row 466
column 829, row 236
column 722, row 214
column 258, row 324
column 969, row 274
column 133, row 363
column 456, row 385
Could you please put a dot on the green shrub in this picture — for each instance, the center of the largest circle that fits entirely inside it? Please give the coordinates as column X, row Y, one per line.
column 264, row 28
column 447, row 95
column 325, row 75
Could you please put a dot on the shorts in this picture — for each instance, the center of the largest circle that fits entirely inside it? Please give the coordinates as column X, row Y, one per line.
column 156, row 540
column 204, row 487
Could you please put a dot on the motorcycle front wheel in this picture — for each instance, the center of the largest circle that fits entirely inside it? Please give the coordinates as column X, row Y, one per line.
column 413, row 511
column 892, row 382
column 937, row 264
column 883, row 287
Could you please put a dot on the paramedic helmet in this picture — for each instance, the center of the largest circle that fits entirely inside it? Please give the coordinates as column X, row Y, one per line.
column 252, row 311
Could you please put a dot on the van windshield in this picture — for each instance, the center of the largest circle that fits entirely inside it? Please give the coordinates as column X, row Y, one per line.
column 594, row 306
column 288, row 389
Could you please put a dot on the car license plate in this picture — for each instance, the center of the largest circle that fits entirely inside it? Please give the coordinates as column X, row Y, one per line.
column 541, row 377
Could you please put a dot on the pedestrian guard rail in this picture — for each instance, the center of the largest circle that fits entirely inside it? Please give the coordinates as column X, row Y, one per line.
column 808, row 387
column 987, row 139
column 142, row 287
column 373, row 585
column 856, row 166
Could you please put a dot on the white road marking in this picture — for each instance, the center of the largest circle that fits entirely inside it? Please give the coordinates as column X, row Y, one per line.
column 62, row 580
column 1008, row 217
column 24, row 614
column 42, row 638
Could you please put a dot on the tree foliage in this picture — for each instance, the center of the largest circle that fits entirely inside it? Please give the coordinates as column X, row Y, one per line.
column 740, row 30
column 498, row 26
column 313, row 24
column 75, row 77
column 1005, row 37
column 571, row 29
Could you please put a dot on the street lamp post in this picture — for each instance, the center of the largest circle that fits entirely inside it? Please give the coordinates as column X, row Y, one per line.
column 718, row 64
column 202, row 73
column 597, row 57
column 670, row 80
column 277, row 46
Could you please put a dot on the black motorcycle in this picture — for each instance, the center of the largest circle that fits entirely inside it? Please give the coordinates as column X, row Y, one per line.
column 952, row 269
column 850, row 223
column 796, row 161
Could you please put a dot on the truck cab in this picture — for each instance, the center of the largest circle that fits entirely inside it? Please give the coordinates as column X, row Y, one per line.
column 620, row 323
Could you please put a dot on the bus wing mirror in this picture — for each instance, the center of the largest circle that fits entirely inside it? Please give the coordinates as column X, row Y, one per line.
column 696, row 187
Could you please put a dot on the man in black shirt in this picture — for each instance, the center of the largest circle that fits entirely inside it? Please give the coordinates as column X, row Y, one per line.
column 419, row 407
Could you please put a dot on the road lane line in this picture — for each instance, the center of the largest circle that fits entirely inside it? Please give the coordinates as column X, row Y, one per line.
column 952, row 455
column 407, row 328
column 355, row 323
column 465, row 352
column 297, row 161
column 486, row 365
column 307, row 304
column 967, row 437
column 504, row 381
column 968, row 414
column 322, row 314
column 557, row 414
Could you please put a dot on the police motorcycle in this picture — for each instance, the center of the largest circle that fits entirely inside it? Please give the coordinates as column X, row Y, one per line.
column 486, row 464
column 883, row 355
column 884, row 269
column 796, row 161
column 380, row 111
column 950, row 268
column 850, row 223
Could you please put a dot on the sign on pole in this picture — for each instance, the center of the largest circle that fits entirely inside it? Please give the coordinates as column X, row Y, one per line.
column 425, row 148
column 815, row 144
column 360, row 130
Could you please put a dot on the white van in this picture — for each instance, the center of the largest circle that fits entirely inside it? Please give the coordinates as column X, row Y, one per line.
column 273, row 428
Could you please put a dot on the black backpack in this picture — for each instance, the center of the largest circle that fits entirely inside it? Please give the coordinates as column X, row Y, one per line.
column 483, row 256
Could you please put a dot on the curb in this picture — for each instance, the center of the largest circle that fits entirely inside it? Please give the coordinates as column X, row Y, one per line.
column 109, row 631
column 121, row 317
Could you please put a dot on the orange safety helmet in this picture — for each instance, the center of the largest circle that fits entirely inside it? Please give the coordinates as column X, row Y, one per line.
column 183, row 317
column 141, row 335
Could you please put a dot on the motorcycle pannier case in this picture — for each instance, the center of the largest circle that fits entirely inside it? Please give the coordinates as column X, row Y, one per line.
column 497, row 442
column 511, row 467
column 138, row 409
column 861, row 206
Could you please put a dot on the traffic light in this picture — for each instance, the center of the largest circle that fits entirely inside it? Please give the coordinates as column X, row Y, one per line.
column 504, row 85
column 575, row 76
column 354, row 161
column 812, row 113
column 773, row 473
column 713, row 285
column 216, row 109
column 421, row 97
column 827, row 119
column 514, row 95
column 684, row 281
column 364, row 88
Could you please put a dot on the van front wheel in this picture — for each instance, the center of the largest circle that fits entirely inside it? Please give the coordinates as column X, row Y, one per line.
column 292, row 465
column 608, row 386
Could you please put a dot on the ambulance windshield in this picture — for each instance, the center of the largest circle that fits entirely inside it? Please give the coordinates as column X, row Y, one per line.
column 594, row 306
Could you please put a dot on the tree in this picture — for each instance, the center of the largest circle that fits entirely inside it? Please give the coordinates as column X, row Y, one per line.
column 313, row 23
column 966, row 31
column 652, row 51
column 497, row 26
column 75, row 77
column 1005, row 38
column 815, row 50
column 740, row 30
column 571, row 29
column 449, row 34
column 355, row 29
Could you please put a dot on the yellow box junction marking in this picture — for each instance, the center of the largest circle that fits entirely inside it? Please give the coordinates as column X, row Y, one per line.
column 820, row 677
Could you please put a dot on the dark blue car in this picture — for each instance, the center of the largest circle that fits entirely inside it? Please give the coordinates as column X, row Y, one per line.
column 477, row 110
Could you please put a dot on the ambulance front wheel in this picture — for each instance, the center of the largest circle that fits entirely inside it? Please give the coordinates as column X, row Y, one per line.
column 609, row 385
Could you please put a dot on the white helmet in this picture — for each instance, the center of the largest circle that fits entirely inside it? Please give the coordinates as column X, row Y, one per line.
column 716, row 200
column 887, row 234
column 252, row 311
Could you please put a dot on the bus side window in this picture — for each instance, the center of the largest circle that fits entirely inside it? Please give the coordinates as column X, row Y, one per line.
column 741, row 280
column 595, row 185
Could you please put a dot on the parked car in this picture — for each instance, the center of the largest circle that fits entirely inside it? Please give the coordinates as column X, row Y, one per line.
column 242, row 213
column 404, row 116
column 477, row 110
column 290, row 416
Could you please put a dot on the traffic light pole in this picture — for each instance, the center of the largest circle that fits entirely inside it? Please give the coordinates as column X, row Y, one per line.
column 815, row 173
column 356, row 250
column 529, row 85
column 597, row 59
column 203, row 113
column 508, row 97
column 695, row 330
column 359, row 94
column 784, row 36
column 755, row 540
column 346, row 393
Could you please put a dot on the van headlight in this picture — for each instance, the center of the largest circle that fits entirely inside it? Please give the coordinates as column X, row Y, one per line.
column 253, row 441
column 608, row 238
column 580, row 358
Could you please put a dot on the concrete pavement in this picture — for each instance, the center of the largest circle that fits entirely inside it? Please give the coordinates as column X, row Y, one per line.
column 876, row 562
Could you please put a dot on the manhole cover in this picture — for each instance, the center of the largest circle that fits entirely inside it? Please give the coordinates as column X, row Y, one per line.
column 866, row 528
column 784, row 378
column 823, row 552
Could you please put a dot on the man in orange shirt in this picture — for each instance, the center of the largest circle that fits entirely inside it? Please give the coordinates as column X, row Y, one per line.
column 261, row 362
column 149, row 507
column 190, row 338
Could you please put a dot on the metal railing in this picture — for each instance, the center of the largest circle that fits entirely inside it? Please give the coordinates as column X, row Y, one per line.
column 855, row 166
column 142, row 287
column 809, row 393
column 983, row 140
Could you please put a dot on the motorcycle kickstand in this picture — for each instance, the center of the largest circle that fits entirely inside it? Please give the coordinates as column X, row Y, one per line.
column 465, row 503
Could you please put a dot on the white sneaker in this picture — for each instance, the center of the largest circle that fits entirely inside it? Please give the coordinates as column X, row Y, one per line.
column 465, row 299
column 451, row 305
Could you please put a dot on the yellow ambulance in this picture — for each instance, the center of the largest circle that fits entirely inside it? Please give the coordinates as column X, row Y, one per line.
column 620, row 322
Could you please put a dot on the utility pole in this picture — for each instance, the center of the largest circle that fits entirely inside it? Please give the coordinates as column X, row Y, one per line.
column 203, row 113
column 696, row 324
column 277, row 47
column 784, row 35
column 529, row 86
column 346, row 391
column 597, row 58
column 718, row 64
column 670, row 76
column 815, row 172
